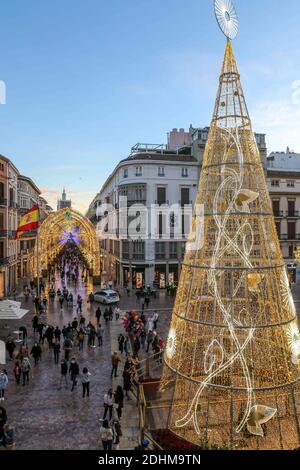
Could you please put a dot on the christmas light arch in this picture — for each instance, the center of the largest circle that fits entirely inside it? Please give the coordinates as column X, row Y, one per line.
column 57, row 229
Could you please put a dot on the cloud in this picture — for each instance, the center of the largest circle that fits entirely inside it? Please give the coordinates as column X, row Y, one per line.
column 280, row 120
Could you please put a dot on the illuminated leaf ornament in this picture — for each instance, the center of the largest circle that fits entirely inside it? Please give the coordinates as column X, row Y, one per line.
column 171, row 343
column 259, row 415
column 244, row 199
column 254, row 281
column 293, row 336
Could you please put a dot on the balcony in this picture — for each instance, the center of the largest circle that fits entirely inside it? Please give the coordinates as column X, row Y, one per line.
column 8, row 233
column 3, row 233
column 4, row 261
column 292, row 214
column 3, row 201
column 13, row 205
column 278, row 214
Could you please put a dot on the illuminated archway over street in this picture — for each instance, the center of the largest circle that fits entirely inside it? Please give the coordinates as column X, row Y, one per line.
column 61, row 227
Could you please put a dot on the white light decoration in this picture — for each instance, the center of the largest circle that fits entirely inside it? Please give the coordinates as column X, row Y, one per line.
column 293, row 336
column 227, row 18
column 259, row 415
column 171, row 343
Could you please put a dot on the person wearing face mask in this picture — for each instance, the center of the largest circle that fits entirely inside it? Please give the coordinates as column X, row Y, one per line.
column 74, row 372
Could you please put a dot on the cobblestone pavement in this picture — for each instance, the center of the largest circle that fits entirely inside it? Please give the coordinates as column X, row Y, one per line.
column 46, row 418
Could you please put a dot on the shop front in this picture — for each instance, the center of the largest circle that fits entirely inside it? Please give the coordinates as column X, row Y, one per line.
column 160, row 277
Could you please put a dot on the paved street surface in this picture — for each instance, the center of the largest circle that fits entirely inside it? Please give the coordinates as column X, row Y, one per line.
column 46, row 418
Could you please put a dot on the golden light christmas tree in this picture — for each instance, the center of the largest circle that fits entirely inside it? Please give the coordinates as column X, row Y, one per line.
column 233, row 351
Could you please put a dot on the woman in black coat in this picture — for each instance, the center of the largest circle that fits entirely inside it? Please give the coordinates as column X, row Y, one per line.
column 119, row 399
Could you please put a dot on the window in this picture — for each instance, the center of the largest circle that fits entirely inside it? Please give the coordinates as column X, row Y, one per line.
column 161, row 196
column 1, row 221
column 125, row 249
column 184, row 172
column 276, row 208
column 290, row 184
column 275, row 183
column 125, row 173
column 185, row 196
column 291, row 251
column 139, row 250
column 161, row 171
column 291, row 208
column 173, row 250
column 278, row 228
column 2, row 167
column 160, row 250
column 2, row 190
column 291, row 231
column 138, row 171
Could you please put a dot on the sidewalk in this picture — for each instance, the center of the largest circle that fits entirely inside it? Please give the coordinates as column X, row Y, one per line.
column 129, row 421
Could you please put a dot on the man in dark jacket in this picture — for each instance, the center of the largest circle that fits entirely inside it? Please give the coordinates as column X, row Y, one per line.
column 74, row 372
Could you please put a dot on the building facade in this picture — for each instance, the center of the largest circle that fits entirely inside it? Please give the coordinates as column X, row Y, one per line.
column 283, row 179
column 28, row 196
column 8, row 226
column 153, row 175
column 152, row 180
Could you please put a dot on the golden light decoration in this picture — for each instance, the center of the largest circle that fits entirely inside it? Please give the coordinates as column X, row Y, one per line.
column 236, row 360
column 53, row 234
column 171, row 343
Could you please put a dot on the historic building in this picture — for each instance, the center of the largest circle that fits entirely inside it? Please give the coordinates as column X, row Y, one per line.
column 63, row 203
column 8, row 226
column 283, row 178
column 153, row 176
column 28, row 196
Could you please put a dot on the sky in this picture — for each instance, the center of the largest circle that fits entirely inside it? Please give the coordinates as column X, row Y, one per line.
column 87, row 79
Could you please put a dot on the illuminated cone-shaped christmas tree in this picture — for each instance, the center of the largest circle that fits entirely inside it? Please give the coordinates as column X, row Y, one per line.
column 233, row 351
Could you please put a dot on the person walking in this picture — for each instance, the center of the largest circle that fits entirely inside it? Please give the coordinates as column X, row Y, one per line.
column 106, row 435
column 10, row 346
column 92, row 336
column 57, row 333
column 108, row 404
column 98, row 315
column 3, row 383
column 25, row 368
column 81, row 336
column 17, row 372
column 56, row 351
column 63, row 374
column 127, row 384
column 68, row 345
column 115, row 362
column 121, row 340
column 119, row 400
column 36, row 353
column 3, row 421
column 61, row 302
column 150, row 337
column 85, row 380
column 100, row 333
column 74, row 372
column 35, row 322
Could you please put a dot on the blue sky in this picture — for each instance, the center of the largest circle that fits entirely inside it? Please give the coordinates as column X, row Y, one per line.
column 87, row 79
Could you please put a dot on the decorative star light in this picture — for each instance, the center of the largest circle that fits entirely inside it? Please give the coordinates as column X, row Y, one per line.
column 254, row 280
column 227, row 18
column 72, row 236
column 259, row 415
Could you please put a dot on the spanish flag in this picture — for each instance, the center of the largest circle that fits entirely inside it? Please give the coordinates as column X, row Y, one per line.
column 29, row 221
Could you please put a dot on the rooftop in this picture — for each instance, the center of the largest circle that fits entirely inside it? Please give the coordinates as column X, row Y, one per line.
column 284, row 161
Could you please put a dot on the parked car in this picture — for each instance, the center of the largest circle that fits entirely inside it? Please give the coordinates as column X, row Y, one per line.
column 107, row 296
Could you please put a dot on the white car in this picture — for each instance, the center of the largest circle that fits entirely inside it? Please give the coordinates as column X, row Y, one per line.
column 107, row 296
